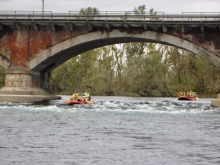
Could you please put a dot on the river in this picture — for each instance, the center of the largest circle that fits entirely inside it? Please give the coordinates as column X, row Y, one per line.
column 114, row 130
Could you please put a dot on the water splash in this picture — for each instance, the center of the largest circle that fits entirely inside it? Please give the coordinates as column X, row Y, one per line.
column 166, row 106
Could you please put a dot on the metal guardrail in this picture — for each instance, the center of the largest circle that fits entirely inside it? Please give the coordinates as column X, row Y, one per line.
column 108, row 16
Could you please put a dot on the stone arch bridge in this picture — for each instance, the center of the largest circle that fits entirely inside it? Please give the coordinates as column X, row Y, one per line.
column 34, row 43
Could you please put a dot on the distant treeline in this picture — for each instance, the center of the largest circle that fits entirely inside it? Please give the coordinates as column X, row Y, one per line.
column 137, row 69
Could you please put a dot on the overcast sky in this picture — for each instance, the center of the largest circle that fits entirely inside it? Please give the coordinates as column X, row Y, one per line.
column 64, row 6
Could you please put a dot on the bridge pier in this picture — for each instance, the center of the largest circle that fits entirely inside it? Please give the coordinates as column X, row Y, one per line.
column 19, row 87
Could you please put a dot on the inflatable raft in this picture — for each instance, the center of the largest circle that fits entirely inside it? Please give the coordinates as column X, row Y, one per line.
column 78, row 101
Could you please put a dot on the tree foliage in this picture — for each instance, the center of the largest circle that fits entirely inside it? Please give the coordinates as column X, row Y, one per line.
column 137, row 69
column 88, row 12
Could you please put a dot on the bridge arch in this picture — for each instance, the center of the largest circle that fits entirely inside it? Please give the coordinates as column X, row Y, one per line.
column 57, row 54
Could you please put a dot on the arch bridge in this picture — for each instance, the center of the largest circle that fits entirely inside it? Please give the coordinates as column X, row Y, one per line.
column 34, row 43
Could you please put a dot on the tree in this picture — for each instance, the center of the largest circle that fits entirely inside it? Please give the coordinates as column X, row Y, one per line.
column 89, row 13
column 140, row 10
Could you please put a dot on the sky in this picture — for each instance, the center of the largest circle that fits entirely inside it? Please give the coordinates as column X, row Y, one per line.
column 64, row 6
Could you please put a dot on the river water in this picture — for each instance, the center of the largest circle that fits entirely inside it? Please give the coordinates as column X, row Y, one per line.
column 113, row 131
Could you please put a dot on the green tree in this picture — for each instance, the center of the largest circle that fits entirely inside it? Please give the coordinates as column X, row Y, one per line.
column 140, row 10
column 89, row 13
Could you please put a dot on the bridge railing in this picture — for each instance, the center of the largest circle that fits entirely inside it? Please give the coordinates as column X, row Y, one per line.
column 201, row 16
column 109, row 16
column 25, row 15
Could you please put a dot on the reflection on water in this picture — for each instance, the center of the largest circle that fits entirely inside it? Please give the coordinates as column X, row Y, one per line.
column 115, row 130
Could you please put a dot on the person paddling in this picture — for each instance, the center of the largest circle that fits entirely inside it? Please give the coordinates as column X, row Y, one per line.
column 86, row 96
column 74, row 96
